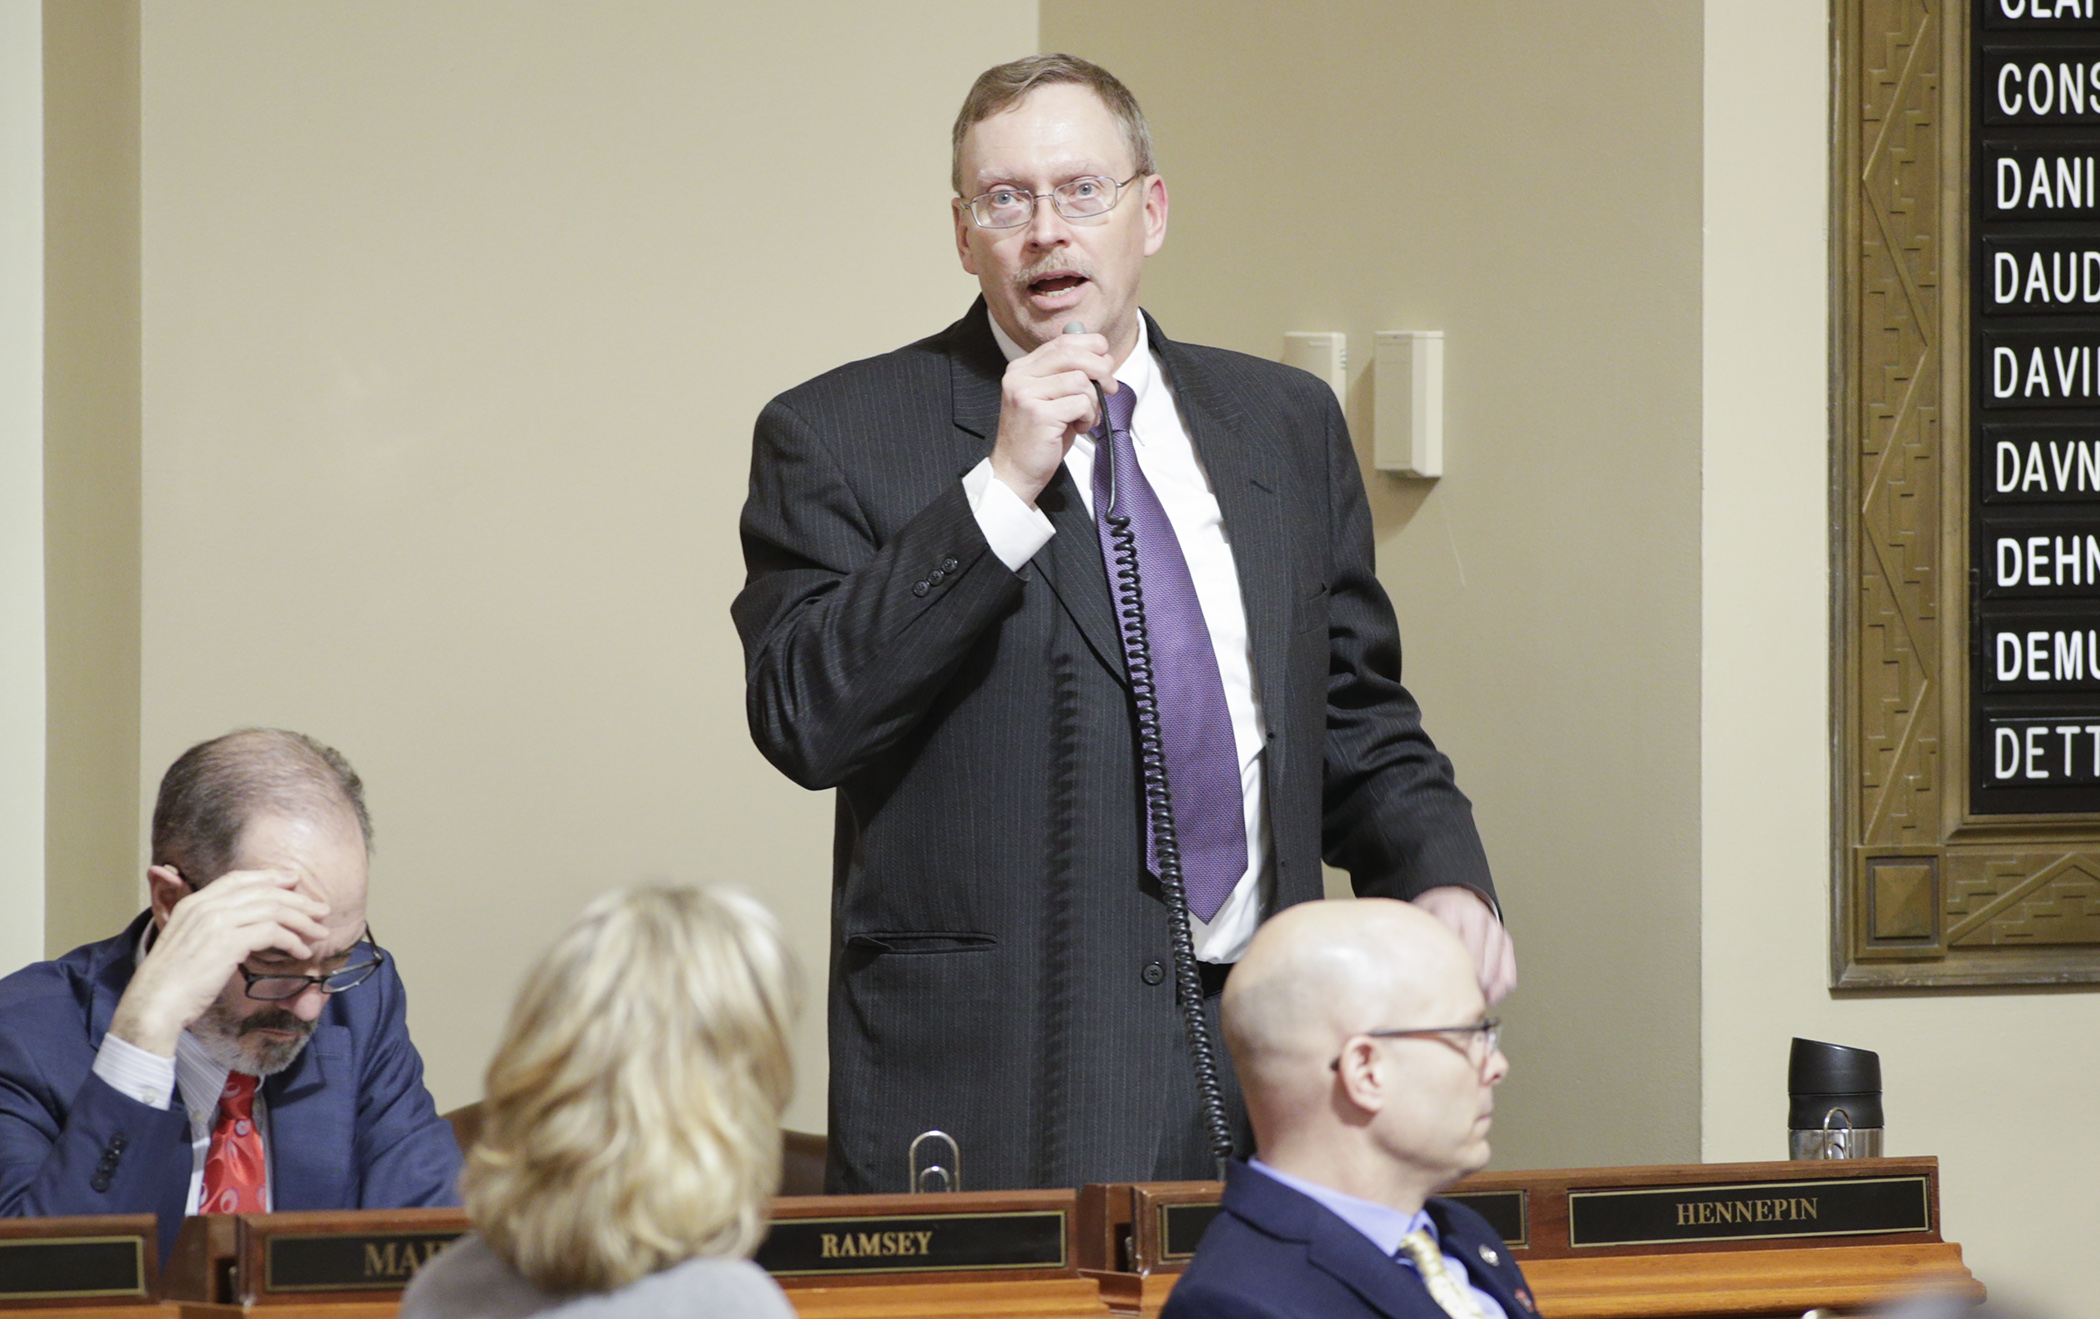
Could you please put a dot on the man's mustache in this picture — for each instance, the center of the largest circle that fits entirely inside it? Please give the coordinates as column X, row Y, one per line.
column 1055, row 264
column 277, row 1019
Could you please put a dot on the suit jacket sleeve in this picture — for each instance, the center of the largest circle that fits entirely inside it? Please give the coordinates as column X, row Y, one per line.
column 1393, row 816
column 407, row 1154
column 849, row 634
column 109, row 1154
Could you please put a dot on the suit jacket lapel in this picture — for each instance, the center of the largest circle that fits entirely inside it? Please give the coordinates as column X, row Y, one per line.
column 1385, row 1284
column 312, row 1125
column 1246, row 474
column 1073, row 566
column 1071, row 563
column 1331, row 1245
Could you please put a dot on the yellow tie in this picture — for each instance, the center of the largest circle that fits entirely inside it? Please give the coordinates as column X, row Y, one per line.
column 1443, row 1288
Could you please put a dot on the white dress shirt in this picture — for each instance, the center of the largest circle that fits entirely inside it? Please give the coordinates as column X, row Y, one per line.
column 151, row 1079
column 1016, row 529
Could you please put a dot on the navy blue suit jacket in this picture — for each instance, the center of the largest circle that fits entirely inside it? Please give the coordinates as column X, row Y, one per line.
column 1273, row 1253
column 351, row 1126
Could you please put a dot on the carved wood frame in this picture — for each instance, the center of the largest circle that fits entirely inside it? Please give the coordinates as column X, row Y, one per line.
column 1924, row 893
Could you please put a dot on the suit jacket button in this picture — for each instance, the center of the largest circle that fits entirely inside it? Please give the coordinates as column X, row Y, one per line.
column 949, row 564
column 1153, row 973
column 118, row 1142
column 100, row 1181
column 1489, row 1257
column 935, row 576
column 920, row 588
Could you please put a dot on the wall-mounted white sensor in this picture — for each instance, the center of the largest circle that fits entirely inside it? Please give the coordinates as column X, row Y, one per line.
column 1407, row 384
column 1322, row 352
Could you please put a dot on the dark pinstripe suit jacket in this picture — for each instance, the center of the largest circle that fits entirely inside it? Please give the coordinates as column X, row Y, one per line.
column 996, row 940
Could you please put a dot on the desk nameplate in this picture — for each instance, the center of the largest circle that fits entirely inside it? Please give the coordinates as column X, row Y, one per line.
column 1767, row 1211
column 1508, row 1212
column 957, row 1242
column 1181, row 1226
column 347, row 1262
column 63, row 1268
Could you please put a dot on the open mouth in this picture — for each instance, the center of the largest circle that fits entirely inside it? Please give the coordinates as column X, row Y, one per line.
column 1056, row 286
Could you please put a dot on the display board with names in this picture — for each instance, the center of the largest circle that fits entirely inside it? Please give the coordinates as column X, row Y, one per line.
column 2034, row 516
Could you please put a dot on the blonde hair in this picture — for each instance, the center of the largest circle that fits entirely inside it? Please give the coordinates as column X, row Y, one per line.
column 632, row 1117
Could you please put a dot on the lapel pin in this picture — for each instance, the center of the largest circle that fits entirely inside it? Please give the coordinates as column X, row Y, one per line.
column 1487, row 1254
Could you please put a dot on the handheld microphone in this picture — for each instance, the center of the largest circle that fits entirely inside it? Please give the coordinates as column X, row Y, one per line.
column 1100, row 418
column 1100, row 398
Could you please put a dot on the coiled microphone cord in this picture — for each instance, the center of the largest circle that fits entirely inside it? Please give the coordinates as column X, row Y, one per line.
column 1159, row 805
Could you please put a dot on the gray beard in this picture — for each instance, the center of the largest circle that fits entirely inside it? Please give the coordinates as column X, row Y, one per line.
column 227, row 1039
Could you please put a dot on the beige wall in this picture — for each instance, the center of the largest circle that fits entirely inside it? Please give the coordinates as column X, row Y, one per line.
column 21, row 484
column 1999, row 1085
column 1524, row 178
column 91, row 467
column 452, row 349
column 456, row 320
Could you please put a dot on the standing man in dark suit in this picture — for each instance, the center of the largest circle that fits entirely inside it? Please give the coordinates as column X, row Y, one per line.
column 243, row 1045
column 928, row 627
column 1369, row 1064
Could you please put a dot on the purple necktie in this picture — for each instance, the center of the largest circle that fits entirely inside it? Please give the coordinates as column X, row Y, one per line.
column 1203, row 765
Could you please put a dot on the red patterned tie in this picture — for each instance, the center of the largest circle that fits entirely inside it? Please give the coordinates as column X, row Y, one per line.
column 233, row 1169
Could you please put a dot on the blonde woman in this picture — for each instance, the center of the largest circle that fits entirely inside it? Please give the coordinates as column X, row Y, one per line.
column 631, row 1131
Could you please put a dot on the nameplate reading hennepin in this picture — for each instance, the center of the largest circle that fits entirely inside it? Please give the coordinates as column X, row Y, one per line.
column 1850, row 1207
column 915, row 1243
column 58, row 1268
column 348, row 1262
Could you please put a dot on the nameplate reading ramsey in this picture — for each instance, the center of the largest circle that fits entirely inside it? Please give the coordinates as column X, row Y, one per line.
column 1853, row 1206
column 348, row 1262
column 915, row 1243
column 55, row 1268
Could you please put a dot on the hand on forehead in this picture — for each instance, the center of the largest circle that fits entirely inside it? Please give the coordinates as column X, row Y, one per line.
column 324, row 853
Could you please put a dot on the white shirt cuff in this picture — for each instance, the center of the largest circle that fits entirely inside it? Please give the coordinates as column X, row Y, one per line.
column 146, row 1077
column 1013, row 528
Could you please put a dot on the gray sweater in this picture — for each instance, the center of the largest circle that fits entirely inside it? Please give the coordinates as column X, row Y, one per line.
column 470, row 1281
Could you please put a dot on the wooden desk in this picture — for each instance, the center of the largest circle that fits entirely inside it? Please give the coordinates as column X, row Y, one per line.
column 1118, row 1249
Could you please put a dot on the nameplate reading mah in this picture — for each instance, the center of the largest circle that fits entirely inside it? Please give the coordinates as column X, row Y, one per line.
column 348, row 1262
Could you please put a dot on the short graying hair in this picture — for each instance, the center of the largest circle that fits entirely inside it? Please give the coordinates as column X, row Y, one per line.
column 213, row 789
column 999, row 87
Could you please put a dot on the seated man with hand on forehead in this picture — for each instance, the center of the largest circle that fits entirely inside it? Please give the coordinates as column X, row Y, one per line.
column 240, row 1047
column 1369, row 1067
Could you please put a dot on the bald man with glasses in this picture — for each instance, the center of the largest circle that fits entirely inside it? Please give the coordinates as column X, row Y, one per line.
column 1369, row 1066
column 243, row 1045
